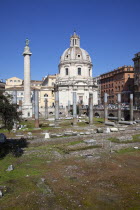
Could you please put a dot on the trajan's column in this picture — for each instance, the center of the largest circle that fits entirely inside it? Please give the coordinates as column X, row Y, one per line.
column 27, row 105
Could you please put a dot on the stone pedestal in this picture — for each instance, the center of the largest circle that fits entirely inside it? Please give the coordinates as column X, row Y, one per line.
column 27, row 110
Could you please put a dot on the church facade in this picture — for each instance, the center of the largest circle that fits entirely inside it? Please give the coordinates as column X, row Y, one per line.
column 75, row 75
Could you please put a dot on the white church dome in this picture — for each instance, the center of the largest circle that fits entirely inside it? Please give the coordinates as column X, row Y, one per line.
column 75, row 53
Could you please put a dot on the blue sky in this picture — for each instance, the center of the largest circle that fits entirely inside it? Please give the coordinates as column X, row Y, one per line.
column 109, row 32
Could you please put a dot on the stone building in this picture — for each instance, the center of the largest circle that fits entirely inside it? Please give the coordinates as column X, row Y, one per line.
column 136, row 60
column 120, row 80
column 13, row 82
column 44, row 86
column 75, row 75
column 47, row 90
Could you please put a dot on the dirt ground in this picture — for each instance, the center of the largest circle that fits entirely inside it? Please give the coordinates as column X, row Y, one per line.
column 69, row 173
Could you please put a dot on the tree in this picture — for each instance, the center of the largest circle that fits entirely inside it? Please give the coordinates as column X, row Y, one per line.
column 8, row 112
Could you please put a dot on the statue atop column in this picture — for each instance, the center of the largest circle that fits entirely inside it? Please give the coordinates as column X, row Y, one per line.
column 27, row 42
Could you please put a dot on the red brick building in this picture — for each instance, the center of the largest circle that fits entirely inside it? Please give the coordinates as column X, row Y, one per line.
column 120, row 80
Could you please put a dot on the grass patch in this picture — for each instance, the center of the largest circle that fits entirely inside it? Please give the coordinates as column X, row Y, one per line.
column 28, row 123
column 136, row 138
column 68, row 150
column 115, row 140
column 98, row 120
column 127, row 150
column 2, row 130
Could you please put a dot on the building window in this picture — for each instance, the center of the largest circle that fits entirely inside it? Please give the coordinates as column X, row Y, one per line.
column 128, row 75
column 11, row 80
column 15, row 80
column 67, row 71
column 79, row 71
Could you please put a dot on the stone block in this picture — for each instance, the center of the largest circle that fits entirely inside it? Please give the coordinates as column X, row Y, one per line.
column 107, row 130
column 99, row 130
column 90, row 141
column 47, row 135
column 114, row 129
column 10, row 168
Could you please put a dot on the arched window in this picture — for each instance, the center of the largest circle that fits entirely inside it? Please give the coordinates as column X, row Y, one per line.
column 79, row 71
column 67, row 71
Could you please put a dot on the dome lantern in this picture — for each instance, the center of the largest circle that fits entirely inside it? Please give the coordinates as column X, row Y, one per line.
column 75, row 40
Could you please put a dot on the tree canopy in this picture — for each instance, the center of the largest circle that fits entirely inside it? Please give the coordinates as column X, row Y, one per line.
column 8, row 112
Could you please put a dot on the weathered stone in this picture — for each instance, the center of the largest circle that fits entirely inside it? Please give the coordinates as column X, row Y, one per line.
column 125, row 138
column 137, row 128
column 43, row 179
column 29, row 133
column 126, row 122
column 1, row 194
column 87, row 133
column 74, row 133
column 68, row 133
column 90, row 141
column 68, row 118
column 99, row 130
column 53, row 135
column 121, row 129
column 114, row 129
column 110, row 123
column 2, row 138
column 107, row 130
column 51, row 125
column 59, row 135
column 47, row 135
column 10, row 168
